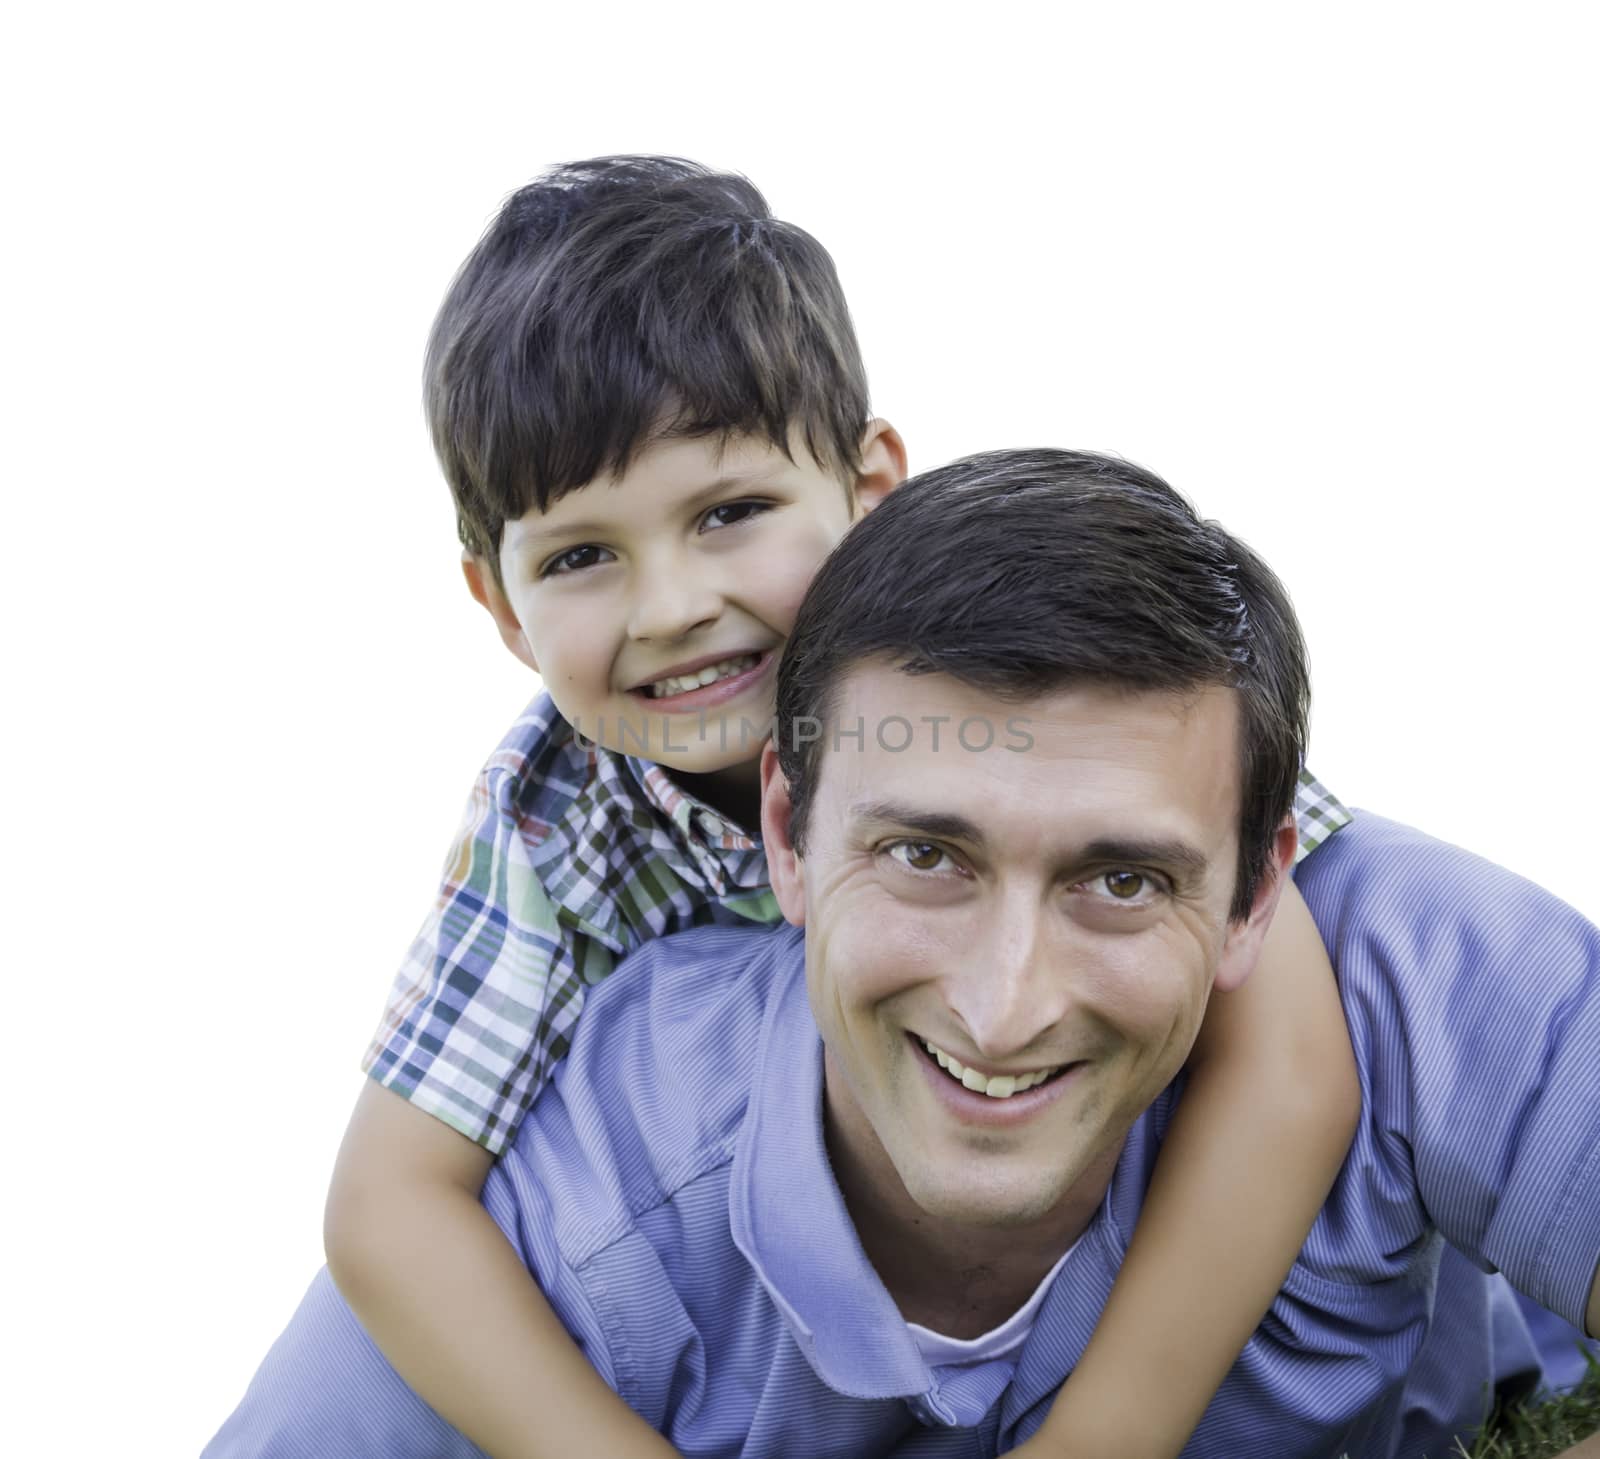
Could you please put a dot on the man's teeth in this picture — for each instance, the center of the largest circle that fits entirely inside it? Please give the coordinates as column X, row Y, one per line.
column 999, row 1086
column 683, row 683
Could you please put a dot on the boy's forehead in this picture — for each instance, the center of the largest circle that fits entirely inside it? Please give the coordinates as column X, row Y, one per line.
column 715, row 443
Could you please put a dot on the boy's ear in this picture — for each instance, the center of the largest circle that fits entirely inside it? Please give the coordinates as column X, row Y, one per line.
column 785, row 870
column 883, row 464
column 1242, row 947
column 481, row 583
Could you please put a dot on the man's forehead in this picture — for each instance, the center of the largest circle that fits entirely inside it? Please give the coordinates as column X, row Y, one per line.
column 1086, row 761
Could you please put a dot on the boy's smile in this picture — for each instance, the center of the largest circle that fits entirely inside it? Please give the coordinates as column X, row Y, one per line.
column 655, row 603
column 703, row 682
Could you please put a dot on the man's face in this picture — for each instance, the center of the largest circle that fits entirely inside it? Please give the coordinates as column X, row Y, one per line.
column 1051, row 920
column 655, row 604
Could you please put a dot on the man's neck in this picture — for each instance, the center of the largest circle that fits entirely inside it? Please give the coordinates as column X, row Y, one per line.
column 957, row 1279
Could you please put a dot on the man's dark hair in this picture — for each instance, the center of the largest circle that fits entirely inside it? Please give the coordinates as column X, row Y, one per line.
column 623, row 300
column 1021, row 573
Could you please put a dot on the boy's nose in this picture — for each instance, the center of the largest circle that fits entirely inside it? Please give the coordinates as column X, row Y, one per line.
column 669, row 603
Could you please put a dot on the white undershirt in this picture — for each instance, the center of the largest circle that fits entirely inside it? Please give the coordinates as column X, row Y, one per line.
column 939, row 1351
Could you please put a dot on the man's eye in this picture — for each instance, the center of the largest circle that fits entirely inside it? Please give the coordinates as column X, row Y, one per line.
column 574, row 559
column 1129, row 888
column 731, row 513
column 918, row 855
column 1123, row 885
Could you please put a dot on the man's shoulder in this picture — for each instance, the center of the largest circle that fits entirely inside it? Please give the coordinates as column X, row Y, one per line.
column 616, row 1192
column 1375, row 844
column 682, row 994
column 653, row 1092
column 1438, row 950
column 1378, row 879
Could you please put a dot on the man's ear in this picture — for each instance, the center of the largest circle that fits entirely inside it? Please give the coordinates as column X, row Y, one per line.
column 785, row 869
column 1242, row 947
column 883, row 465
column 483, row 586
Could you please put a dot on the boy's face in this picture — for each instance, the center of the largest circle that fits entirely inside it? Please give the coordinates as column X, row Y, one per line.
column 655, row 604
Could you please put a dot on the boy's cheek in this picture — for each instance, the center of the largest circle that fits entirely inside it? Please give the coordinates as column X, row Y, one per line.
column 791, row 572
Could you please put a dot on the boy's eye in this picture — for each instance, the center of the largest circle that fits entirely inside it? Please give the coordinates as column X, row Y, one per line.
column 574, row 559
column 730, row 513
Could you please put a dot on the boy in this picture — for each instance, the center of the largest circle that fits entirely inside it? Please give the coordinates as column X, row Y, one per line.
column 646, row 396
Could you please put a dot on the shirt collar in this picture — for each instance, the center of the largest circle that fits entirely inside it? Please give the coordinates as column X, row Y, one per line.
column 726, row 855
column 789, row 1219
column 788, row 1216
column 632, row 855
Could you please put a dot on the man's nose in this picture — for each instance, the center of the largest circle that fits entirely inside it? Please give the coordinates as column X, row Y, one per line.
column 1014, row 985
column 671, row 598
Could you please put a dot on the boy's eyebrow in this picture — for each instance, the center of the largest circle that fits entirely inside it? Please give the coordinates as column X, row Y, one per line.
column 523, row 533
column 755, row 476
column 520, row 536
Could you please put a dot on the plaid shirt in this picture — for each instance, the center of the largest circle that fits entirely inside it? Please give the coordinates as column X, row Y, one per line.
column 570, row 857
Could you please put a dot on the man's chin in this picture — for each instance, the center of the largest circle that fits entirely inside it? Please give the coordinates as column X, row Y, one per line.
column 992, row 1200
column 1046, row 1183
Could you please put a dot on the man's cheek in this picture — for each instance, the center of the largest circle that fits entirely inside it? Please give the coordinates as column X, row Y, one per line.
column 1157, row 1036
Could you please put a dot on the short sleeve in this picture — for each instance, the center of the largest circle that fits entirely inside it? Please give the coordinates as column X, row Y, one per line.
column 486, row 1000
column 1473, row 999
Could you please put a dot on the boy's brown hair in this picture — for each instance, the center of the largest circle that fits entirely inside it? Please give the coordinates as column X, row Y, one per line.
column 623, row 300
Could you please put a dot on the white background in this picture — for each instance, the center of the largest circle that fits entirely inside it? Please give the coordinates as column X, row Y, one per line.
column 1330, row 270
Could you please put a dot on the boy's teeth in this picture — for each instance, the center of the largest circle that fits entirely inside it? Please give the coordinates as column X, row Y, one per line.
column 998, row 1086
column 683, row 683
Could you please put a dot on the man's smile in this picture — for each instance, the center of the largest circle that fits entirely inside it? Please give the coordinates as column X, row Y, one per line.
column 976, row 1097
column 996, row 1086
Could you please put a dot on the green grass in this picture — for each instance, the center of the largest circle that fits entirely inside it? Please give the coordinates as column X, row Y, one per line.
column 1541, row 1429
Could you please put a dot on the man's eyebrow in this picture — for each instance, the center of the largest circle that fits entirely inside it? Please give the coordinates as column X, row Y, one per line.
column 1183, row 860
column 1170, row 854
column 939, row 825
column 531, row 534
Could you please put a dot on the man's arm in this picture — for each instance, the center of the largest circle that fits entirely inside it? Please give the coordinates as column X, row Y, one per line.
column 1592, row 1326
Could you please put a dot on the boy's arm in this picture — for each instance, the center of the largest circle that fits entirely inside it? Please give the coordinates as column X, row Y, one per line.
column 1264, row 1124
column 421, row 1263
column 444, row 1295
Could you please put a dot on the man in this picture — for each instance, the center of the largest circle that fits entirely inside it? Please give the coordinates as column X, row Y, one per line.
column 863, row 1191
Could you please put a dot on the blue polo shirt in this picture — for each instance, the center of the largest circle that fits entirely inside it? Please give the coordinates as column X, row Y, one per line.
column 672, row 1194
